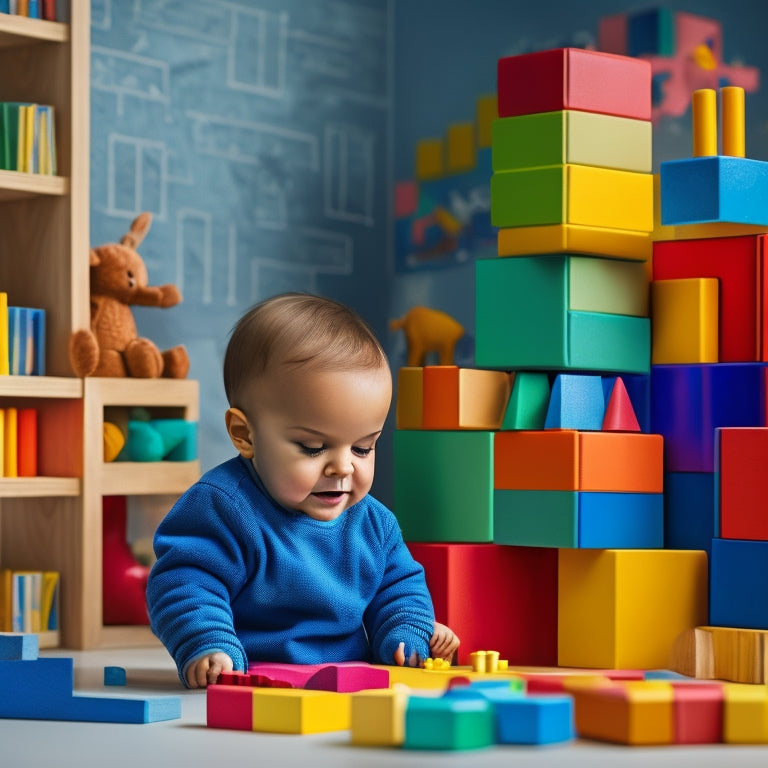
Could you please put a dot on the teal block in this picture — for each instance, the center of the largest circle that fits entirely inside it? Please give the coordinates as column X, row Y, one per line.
column 576, row 403
column 528, row 402
column 449, row 723
column 719, row 188
column 536, row 518
column 444, row 485
column 579, row 519
column 522, row 321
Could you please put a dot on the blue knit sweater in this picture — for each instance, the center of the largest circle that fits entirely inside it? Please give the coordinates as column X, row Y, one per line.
column 238, row 573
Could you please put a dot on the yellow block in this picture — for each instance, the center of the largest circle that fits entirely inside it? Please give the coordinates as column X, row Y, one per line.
column 430, row 163
column 409, row 408
column 623, row 608
column 603, row 197
column 462, row 148
column 572, row 238
column 378, row 717
column 684, row 320
column 295, row 710
column 487, row 112
column 745, row 714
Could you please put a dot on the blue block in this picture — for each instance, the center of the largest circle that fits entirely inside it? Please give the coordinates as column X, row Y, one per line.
column 621, row 520
column 531, row 719
column 114, row 676
column 663, row 674
column 720, row 188
column 42, row 689
column 639, row 390
column 576, row 402
column 651, row 32
column 690, row 518
column 688, row 402
column 449, row 722
column 738, row 583
column 15, row 646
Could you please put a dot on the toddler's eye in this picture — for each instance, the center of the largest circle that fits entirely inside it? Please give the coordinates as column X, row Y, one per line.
column 362, row 452
column 309, row 450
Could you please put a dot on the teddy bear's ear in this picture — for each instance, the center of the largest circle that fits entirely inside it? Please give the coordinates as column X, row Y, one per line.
column 138, row 230
column 94, row 258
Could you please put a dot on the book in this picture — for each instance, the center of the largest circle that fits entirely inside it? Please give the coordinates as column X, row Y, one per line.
column 14, row 340
column 6, row 600
column 4, row 334
column 17, row 603
column 10, row 458
column 49, row 601
column 26, row 430
column 29, row 138
column 38, row 341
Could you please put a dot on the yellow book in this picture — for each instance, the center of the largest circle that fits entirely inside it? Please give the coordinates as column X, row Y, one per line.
column 4, row 369
column 10, row 458
column 21, row 151
column 6, row 600
column 29, row 138
column 44, row 156
column 49, row 614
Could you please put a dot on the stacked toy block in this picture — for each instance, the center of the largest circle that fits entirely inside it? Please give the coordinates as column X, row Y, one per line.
column 709, row 375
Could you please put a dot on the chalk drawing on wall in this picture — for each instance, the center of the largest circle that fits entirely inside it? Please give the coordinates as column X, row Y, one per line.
column 349, row 182
column 137, row 176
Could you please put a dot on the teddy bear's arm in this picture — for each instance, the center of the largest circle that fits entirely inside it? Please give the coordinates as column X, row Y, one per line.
column 156, row 296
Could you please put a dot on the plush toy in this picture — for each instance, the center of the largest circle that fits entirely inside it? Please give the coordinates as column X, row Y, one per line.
column 428, row 330
column 112, row 346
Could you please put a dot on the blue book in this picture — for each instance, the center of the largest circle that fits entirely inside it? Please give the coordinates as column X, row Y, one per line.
column 14, row 351
column 38, row 342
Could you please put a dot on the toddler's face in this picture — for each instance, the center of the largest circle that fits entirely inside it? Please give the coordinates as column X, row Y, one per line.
column 313, row 436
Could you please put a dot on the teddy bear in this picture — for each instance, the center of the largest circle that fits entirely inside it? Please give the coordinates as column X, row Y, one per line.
column 112, row 346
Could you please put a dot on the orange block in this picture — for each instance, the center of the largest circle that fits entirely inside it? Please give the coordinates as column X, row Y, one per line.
column 546, row 460
column 621, row 461
column 440, row 397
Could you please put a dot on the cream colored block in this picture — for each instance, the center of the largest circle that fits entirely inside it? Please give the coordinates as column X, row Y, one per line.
column 483, row 398
column 608, row 141
column 608, row 285
column 378, row 717
column 295, row 710
column 684, row 321
column 623, row 609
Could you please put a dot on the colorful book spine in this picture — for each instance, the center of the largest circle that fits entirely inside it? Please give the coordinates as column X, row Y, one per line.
column 10, row 458
column 27, row 442
column 4, row 371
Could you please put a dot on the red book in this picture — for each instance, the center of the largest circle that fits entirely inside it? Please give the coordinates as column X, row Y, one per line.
column 27, row 442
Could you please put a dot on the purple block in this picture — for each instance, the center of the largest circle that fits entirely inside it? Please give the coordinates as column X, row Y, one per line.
column 689, row 402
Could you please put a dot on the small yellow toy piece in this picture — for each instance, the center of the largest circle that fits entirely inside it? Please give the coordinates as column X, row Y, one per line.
column 487, row 661
column 114, row 440
column 436, row 664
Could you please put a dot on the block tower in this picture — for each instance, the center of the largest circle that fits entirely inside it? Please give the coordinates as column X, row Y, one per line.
column 540, row 523
column 709, row 368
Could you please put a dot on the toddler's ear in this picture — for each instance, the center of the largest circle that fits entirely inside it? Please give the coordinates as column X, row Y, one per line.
column 239, row 432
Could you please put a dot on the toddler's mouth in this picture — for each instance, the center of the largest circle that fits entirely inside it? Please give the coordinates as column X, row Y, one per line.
column 330, row 496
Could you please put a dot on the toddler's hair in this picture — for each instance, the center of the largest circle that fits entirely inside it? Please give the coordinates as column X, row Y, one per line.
column 294, row 330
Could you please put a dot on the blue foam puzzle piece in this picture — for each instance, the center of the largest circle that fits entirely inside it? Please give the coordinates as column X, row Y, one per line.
column 42, row 689
column 15, row 646
column 718, row 188
column 690, row 520
column 114, row 676
column 688, row 402
column 576, row 402
column 738, row 570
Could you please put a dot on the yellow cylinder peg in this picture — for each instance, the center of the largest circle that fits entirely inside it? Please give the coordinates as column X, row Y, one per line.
column 732, row 111
column 704, row 109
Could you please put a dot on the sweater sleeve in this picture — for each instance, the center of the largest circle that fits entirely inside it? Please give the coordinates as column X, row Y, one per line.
column 401, row 611
column 200, row 567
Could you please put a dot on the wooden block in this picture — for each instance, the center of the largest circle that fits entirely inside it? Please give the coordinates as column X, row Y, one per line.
column 634, row 712
column 685, row 322
column 576, row 402
column 608, row 285
column 290, row 710
column 739, row 655
column 525, row 630
column 410, row 399
column 568, row 136
column 439, row 476
column 461, row 149
column 741, row 459
column 378, row 718
column 720, row 188
column 571, row 238
column 624, row 608
column 619, row 412
column 697, row 713
column 691, row 401
column 621, row 461
column 528, row 401
column 572, row 194
column 430, row 160
column 737, row 568
column 737, row 263
column 572, row 78
column 745, row 715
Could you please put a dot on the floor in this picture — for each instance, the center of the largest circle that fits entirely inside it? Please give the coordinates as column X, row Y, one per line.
column 189, row 743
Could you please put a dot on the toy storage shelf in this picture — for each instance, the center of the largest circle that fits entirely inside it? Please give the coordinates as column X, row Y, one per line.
column 19, row 30
column 15, row 185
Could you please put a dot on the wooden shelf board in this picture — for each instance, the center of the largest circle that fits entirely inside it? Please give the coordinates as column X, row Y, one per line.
column 40, row 386
column 135, row 478
column 31, row 487
column 19, row 30
column 148, row 392
column 15, row 185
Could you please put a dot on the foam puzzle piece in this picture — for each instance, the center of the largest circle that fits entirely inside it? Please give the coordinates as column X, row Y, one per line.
column 576, row 402
column 573, row 78
column 342, row 677
column 449, row 723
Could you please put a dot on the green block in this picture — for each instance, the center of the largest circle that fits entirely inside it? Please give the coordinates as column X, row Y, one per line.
column 529, row 197
column 444, row 485
column 528, row 403
column 536, row 518
column 522, row 321
column 528, row 141
column 449, row 722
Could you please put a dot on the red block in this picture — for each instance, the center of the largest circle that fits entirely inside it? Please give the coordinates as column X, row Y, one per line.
column 574, row 78
column 737, row 262
column 697, row 713
column 495, row 598
column 743, row 453
column 229, row 706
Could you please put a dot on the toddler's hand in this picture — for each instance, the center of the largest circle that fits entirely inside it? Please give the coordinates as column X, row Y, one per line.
column 207, row 669
column 413, row 661
column 443, row 643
